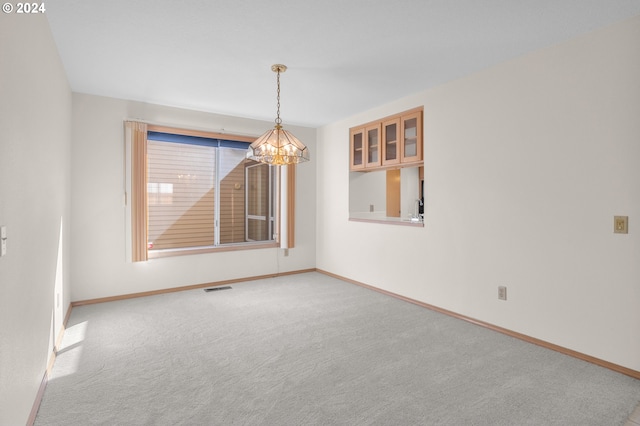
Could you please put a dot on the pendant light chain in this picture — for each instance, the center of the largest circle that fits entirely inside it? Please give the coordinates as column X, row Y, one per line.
column 278, row 119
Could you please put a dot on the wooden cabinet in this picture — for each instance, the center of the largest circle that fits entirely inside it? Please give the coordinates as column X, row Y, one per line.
column 393, row 141
column 357, row 148
column 365, row 147
column 390, row 141
column 372, row 146
column 411, row 137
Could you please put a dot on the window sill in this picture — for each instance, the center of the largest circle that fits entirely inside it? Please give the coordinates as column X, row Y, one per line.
column 389, row 221
column 157, row 254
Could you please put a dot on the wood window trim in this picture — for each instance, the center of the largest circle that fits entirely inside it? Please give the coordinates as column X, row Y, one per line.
column 139, row 211
column 291, row 205
column 200, row 133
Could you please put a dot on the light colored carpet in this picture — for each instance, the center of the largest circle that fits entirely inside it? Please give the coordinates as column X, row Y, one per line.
column 312, row 350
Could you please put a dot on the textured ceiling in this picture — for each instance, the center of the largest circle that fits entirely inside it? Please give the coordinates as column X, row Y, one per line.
column 344, row 56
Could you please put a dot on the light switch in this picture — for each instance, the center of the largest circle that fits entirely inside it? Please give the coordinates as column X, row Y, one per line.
column 3, row 240
column 621, row 224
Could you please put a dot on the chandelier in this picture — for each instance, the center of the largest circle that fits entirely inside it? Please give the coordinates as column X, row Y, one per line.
column 278, row 146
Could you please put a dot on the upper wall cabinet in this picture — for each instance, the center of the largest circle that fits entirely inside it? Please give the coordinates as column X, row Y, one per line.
column 411, row 137
column 393, row 141
column 357, row 148
column 372, row 146
column 366, row 151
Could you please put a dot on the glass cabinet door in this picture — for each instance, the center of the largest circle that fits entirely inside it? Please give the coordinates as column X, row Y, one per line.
column 372, row 145
column 390, row 145
column 411, row 134
column 357, row 149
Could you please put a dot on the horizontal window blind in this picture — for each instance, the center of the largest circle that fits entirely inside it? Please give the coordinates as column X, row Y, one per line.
column 181, row 195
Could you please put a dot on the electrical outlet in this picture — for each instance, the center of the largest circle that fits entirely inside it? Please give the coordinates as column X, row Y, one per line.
column 502, row 292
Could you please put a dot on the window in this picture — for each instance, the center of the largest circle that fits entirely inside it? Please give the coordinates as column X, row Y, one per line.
column 200, row 193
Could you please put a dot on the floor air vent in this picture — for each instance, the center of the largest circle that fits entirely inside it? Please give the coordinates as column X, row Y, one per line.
column 217, row 288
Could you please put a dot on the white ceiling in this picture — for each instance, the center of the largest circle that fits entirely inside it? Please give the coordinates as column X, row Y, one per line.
column 344, row 56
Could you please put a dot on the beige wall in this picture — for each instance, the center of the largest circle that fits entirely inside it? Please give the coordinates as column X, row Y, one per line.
column 100, row 267
column 526, row 163
column 35, row 140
